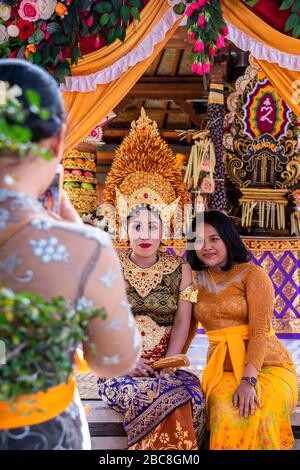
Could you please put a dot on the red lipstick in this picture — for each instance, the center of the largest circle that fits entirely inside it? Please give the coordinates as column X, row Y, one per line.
column 145, row 245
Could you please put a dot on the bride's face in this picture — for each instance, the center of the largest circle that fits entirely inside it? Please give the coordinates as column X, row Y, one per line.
column 144, row 232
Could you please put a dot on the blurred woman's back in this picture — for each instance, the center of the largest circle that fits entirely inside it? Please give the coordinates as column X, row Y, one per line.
column 49, row 256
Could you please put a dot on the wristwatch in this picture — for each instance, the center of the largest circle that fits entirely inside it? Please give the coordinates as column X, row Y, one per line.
column 251, row 380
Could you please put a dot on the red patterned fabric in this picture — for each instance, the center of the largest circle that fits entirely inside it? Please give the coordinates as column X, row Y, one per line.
column 268, row 11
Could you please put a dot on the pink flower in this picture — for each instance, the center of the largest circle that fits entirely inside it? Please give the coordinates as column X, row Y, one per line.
column 90, row 21
column 61, row 56
column 212, row 51
column 47, row 35
column 195, row 6
column 194, row 67
column 201, row 20
column 192, row 36
column 28, row 11
column 44, row 26
column 220, row 42
column 189, row 11
column 199, row 46
column 201, row 3
column 206, row 67
column 199, row 70
column 225, row 31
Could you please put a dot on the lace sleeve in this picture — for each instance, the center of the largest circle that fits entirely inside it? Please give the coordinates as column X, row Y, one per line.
column 190, row 294
column 260, row 300
column 116, row 339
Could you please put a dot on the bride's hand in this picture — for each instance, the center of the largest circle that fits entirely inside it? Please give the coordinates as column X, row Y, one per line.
column 166, row 372
column 142, row 369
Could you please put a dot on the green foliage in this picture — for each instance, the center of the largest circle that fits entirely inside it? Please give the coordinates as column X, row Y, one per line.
column 14, row 136
column 293, row 21
column 40, row 338
column 109, row 19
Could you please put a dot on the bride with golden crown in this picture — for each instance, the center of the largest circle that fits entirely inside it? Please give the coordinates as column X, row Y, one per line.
column 162, row 404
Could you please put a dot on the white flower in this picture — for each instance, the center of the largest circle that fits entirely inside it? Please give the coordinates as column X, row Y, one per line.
column 108, row 278
column 9, row 180
column 13, row 30
column 49, row 250
column 5, row 12
column 101, row 237
column 7, row 93
column 3, row 34
column 46, row 8
column 137, row 339
column 84, row 304
column 4, row 217
column 41, row 224
column 110, row 360
column 113, row 325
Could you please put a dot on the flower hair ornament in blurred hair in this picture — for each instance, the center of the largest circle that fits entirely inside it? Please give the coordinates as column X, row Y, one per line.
column 14, row 136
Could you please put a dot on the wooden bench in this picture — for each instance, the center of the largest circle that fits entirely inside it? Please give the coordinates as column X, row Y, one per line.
column 107, row 432
column 106, row 425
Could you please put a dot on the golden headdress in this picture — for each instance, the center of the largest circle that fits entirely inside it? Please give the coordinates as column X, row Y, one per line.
column 144, row 172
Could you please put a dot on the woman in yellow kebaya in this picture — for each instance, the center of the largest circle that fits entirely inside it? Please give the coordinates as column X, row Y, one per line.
column 249, row 381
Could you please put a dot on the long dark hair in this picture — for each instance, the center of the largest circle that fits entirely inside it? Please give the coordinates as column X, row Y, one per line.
column 29, row 76
column 236, row 250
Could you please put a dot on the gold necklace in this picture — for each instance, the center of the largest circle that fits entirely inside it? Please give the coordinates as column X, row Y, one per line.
column 143, row 280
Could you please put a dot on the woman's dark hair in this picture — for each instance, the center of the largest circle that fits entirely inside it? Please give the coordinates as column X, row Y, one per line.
column 29, row 76
column 236, row 250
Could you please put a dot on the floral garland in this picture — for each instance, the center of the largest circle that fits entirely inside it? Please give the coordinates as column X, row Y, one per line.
column 49, row 32
column 206, row 28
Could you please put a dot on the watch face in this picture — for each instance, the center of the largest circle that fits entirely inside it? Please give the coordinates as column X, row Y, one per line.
column 253, row 381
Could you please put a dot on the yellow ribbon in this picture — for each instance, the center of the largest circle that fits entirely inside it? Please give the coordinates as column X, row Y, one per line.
column 229, row 339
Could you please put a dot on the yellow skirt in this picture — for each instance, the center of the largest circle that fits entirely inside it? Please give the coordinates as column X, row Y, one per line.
column 269, row 428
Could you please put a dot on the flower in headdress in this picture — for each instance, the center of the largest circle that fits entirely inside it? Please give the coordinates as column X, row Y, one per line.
column 8, row 93
column 28, row 11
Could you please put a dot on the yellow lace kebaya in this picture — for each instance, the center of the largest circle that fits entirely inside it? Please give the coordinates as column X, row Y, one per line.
column 236, row 308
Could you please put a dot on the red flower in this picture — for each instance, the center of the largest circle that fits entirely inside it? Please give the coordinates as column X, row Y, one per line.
column 13, row 54
column 26, row 29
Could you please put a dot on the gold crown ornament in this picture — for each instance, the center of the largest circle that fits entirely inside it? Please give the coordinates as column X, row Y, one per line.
column 144, row 173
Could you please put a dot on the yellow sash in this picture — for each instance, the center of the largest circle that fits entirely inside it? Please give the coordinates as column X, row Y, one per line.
column 227, row 339
column 37, row 407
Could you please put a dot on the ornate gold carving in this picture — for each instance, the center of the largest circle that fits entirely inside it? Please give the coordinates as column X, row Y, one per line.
column 273, row 244
column 143, row 280
column 291, row 173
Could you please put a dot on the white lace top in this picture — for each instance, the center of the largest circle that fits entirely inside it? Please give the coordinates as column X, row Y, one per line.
column 50, row 257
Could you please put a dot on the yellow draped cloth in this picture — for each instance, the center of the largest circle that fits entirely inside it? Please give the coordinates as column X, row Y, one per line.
column 227, row 339
column 269, row 427
column 285, row 81
column 86, row 110
column 37, row 407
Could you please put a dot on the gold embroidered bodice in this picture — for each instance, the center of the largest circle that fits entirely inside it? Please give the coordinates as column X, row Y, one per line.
column 154, row 291
column 243, row 295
